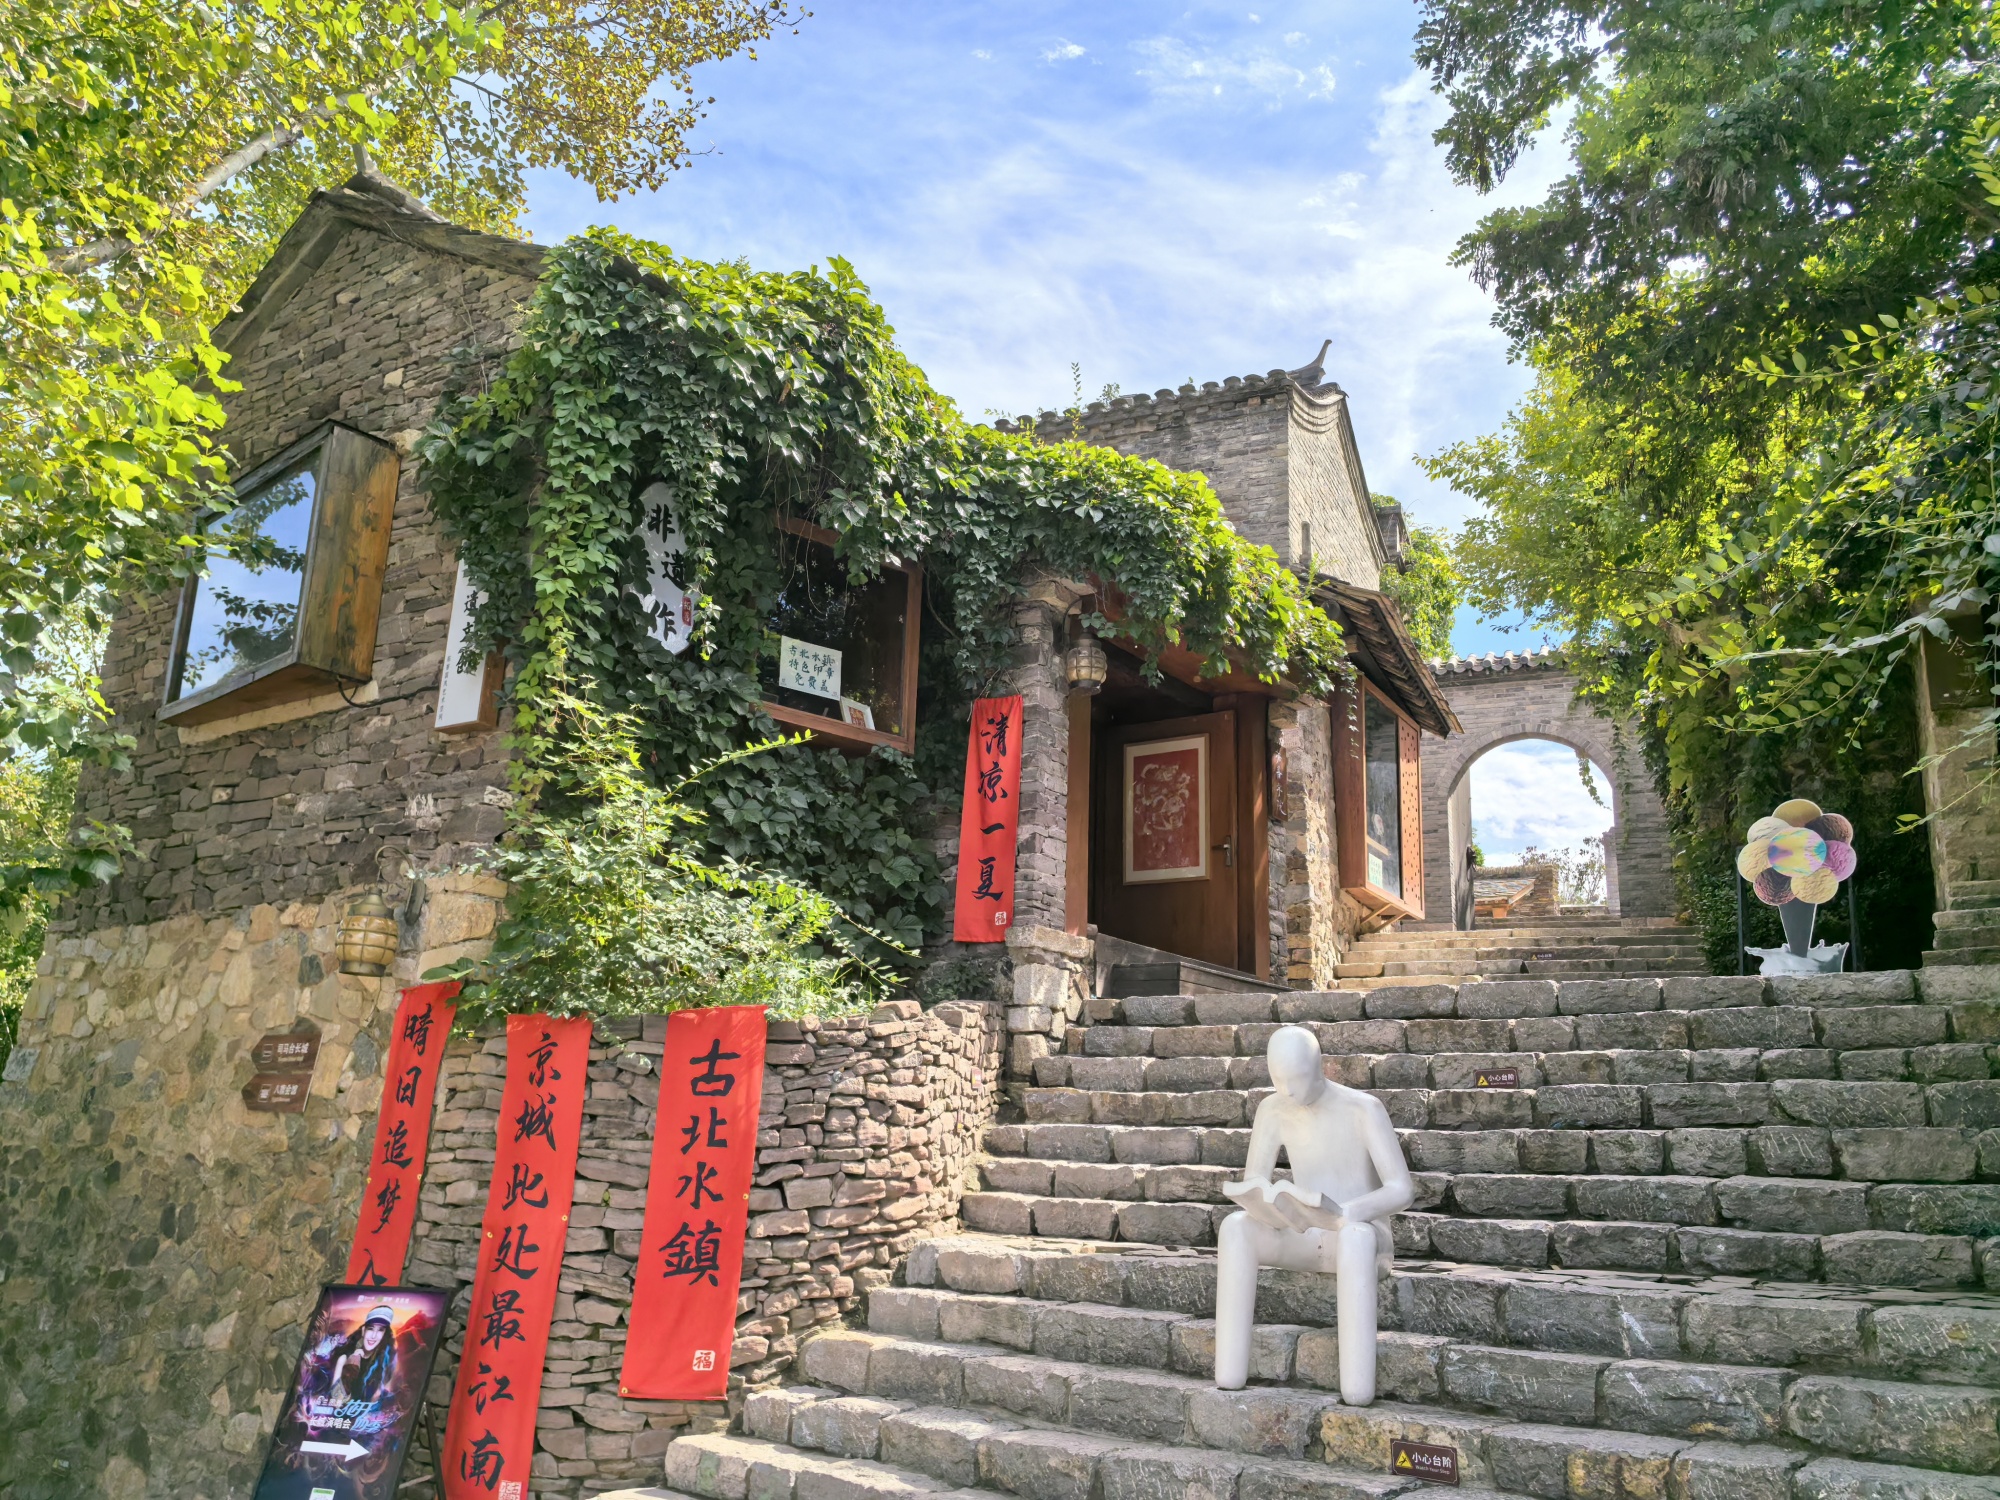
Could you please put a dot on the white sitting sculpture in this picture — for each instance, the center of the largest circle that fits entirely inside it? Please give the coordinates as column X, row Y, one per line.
column 1348, row 1177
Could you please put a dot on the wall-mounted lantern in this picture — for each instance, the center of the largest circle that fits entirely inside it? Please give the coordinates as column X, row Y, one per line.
column 1085, row 666
column 367, row 942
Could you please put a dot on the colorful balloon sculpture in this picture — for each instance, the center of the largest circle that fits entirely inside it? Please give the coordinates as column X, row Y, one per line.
column 1796, row 859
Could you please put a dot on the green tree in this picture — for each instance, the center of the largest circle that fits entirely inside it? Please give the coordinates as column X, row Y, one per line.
column 1428, row 588
column 150, row 151
column 1737, row 484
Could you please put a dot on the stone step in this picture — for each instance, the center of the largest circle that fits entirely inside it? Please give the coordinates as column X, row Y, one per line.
column 1983, row 956
column 1611, row 1170
column 946, row 1450
column 1858, row 1154
column 1982, row 917
column 1826, row 1103
column 1528, row 1383
column 1495, row 953
column 1928, row 1046
column 1882, row 1334
column 1535, row 998
column 1791, row 1229
column 1113, row 1373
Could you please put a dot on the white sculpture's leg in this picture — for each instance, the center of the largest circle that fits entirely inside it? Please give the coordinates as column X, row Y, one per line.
column 1354, row 1301
column 1235, row 1299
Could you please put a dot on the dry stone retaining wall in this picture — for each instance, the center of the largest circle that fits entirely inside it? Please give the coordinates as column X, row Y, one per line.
column 869, row 1126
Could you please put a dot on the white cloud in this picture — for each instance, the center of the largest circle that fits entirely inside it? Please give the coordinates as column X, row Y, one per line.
column 1173, row 69
column 982, row 54
column 1295, row 39
column 1528, row 794
column 1062, row 52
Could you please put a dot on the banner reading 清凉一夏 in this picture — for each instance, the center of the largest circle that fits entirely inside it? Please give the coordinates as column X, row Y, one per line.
column 490, row 1437
column 989, row 823
column 683, row 1320
column 402, row 1134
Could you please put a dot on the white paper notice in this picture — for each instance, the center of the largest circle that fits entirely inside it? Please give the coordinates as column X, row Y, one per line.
column 806, row 668
column 670, row 606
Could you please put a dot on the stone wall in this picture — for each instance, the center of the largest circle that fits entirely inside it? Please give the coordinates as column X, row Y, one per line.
column 869, row 1128
column 1502, row 699
column 160, row 1244
column 155, row 1236
column 290, row 811
column 1314, row 922
column 1279, row 454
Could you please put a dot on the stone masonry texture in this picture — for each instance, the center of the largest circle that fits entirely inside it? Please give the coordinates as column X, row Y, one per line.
column 869, row 1126
column 160, row 1245
column 1532, row 698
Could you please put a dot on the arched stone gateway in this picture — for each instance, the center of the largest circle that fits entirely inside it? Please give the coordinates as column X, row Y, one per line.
column 1499, row 699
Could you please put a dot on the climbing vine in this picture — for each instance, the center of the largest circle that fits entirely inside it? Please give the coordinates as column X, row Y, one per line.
column 754, row 396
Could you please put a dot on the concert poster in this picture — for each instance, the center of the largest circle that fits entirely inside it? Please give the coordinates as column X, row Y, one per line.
column 351, row 1410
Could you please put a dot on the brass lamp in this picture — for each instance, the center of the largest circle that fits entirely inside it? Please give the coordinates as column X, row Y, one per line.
column 367, row 942
column 1085, row 666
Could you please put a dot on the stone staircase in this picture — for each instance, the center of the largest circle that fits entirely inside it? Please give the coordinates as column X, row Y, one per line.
column 1722, row 1240
column 1544, row 947
column 1968, row 933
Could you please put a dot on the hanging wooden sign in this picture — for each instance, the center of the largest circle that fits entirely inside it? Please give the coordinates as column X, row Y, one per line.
column 697, row 1206
column 402, row 1134
column 490, row 1438
column 989, row 823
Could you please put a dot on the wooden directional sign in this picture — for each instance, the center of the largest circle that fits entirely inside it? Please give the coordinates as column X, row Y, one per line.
column 277, row 1093
column 1430, row 1462
column 286, row 1051
column 284, row 1061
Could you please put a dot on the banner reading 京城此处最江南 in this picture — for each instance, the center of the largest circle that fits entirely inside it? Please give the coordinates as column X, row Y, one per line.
column 683, row 1321
column 402, row 1135
column 988, row 823
column 490, row 1437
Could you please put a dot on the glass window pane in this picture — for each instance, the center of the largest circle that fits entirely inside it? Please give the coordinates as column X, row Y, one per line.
column 1385, row 804
column 246, row 609
column 831, row 649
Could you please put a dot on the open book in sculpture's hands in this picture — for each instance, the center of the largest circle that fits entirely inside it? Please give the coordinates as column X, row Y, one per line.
column 1284, row 1205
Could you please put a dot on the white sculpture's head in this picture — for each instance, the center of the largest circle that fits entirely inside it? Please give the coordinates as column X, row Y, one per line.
column 1296, row 1068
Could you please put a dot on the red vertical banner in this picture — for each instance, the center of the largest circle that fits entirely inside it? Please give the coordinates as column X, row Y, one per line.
column 402, row 1135
column 697, row 1206
column 989, row 823
column 490, row 1438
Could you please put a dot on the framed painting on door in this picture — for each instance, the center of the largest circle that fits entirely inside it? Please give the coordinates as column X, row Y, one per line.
column 1166, row 810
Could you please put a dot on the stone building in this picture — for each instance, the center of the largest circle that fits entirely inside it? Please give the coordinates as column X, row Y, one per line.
column 160, row 1242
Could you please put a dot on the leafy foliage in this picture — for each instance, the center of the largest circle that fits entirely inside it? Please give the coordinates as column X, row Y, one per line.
column 35, row 799
column 1427, row 589
column 754, row 395
column 1757, row 457
column 609, row 913
column 150, row 155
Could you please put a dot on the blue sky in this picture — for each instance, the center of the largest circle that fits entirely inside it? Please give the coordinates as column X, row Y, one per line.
column 1155, row 192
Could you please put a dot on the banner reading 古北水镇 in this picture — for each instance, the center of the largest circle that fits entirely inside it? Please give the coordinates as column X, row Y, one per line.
column 683, row 1319
column 989, row 823
column 402, row 1135
column 490, row 1438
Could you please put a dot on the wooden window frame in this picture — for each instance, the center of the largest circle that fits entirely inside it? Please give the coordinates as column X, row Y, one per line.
column 839, row 731
column 1350, row 803
column 355, row 478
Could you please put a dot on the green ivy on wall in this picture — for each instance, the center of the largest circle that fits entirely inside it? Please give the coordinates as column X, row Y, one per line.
column 757, row 395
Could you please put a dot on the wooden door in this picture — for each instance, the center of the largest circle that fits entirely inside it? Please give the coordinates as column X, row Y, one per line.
column 1169, row 854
